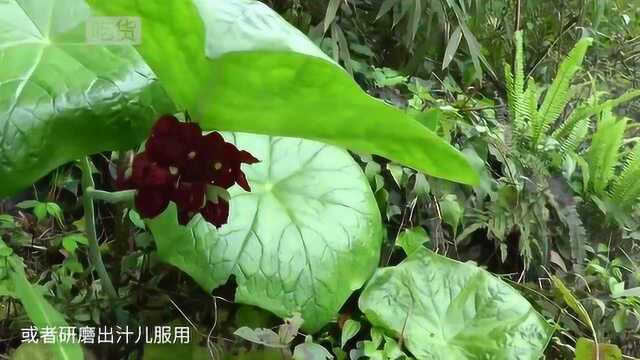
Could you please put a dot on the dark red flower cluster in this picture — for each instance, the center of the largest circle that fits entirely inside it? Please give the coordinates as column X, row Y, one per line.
column 180, row 164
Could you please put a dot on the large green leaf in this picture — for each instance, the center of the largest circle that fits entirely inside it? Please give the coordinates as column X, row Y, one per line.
column 237, row 66
column 306, row 236
column 39, row 310
column 444, row 309
column 61, row 98
column 193, row 248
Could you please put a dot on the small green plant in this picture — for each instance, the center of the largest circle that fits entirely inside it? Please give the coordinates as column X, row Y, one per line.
column 13, row 278
column 379, row 347
column 42, row 210
column 282, row 340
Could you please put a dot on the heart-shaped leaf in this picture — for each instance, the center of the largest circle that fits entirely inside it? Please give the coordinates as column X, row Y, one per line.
column 61, row 98
column 238, row 66
column 306, row 236
column 411, row 240
column 444, row 309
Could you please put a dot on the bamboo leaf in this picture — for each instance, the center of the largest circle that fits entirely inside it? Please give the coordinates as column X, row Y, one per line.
column 571, row 301
column 386, row 6
column 332, row 11
column 452, row 47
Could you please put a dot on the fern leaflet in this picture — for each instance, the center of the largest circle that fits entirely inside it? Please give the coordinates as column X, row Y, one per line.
column 604, row 152
column 626, row 187
column 588, row 111
column 558, row 94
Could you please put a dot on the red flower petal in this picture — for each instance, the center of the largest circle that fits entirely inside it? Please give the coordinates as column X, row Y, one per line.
column 221, row 162
column 212, row 143
column 189, row 197
column 151, row 202
column 190, row 133
column 145, row 173
column 195, row 168
column 173, row 142
column 159, row 177
column 166, row 125
column 139, row 167
column 224, row 166
column 166, row 150
column 216, row 213
column 246, row 157
column 200, row 163
column 224, row 179
column 241, row 180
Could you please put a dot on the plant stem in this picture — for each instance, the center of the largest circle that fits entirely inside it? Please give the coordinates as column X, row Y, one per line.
column 110, row 197
column 90, row 227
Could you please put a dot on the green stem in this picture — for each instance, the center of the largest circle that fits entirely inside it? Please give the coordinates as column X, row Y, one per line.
column 111, row 197
column 90, row 227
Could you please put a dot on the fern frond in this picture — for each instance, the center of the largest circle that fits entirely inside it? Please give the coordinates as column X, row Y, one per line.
column 604, row 152
column 511, row 95
column 589, row 110
column 518, row 73
column 528, row 109
column 572, row 141
column 558, row 94
column 515, row 82
column 626, row 187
